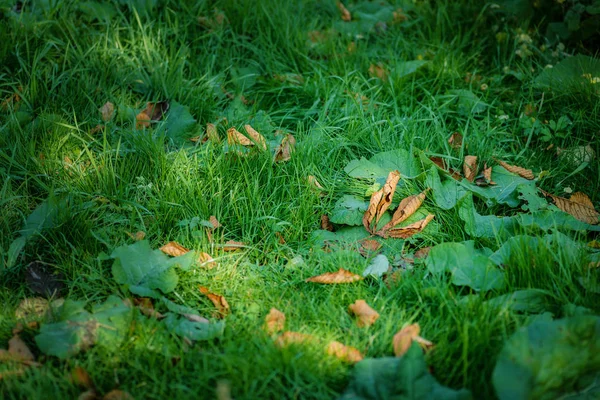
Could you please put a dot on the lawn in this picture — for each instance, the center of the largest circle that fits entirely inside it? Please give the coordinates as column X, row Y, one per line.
column 244, row 199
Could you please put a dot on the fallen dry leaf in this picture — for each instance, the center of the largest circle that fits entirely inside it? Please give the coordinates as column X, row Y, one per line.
column 380, row 201
column 392, row 280
column 214, row 222
column 339, row 276
column 378, row 71
column 578, row 205
column 234, row 137
column 407, row 207
column 399, row 16
column 212, row 134
column 146, row 307
column 232, row 245
column 13, row 100
column 368, row 246
column 423, row 252
column 152, row 112
column 470, row 168
column 256, row 137
column 439, row 161
column 18, row 352
column 117, row 394
column 343, row 352
column 407, row 231
column 32, row 308
column 97, row 129
column 455, row 140
column 326, row 225
column 139, row 235
column 404, row 338
column 205, row 258
column 80, row 377
column 366, row 315
column 522, row 172
column 274, row 321
column 314, row 182
column 107, row 111
column 219, row 301
column 174, row 249
column 287, row 338
column 284, row 151
column 345, row 14
column 280, row 238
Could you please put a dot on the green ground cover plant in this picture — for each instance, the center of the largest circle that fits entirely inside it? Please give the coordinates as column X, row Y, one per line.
column 310, row 199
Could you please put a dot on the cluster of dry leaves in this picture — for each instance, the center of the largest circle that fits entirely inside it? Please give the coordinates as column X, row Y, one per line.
column 366, row 316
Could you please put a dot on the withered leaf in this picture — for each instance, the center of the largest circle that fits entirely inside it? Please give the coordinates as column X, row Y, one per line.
column 152, row 112
column 378, row 71
column 219, row 301
column 339, row 276
column 410, row 230
column 214, row 222
column 13, row 100
column 205, row 258
column 399, row 16
column 406, row 208
column 80, row 377
column 274, row 321
column 280, row 238
column 326, row 224
column 256, row 137
column 139, row 235
column 284, row 151
column 287, row 338
column 578, row 205
column 345, row 353
column 97, row 129
column 522, row 172
column 174, row 249
column 90, row 394
column 107, row 111
column 368, row 246
column 345, row 14
column 212, row 134
column 232, row 245
column 470, row 167
column 455, row 140
column 117, row 394
column 314, row 182
column 422, row 252
column 404, row 338
column 234, row 137
column 380, row 201
column 392, row 280
column 146, row 307
column 366, row 315
column 18, row 352
column 32, row 308
column 439, row 161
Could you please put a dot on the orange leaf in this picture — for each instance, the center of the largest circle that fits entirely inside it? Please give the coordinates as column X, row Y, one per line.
column 455, row 140
column 274, row 321
column 152, row 112
column 326, row 224
column 407, row 231
column 368, row 246
column 174, row 249
column 107, row 111
column 366, row 315
column 343, row 352
column 381, row 201
column 232, row 245
column 578, row 205
column 218, row 300
column 235, row 137
column 439, row 161
column 340, row 276
column 80, row 377
column 214, row 222
column 470, row 167
column 346, row 16
column 522, row 172
column 256, row 137
column 378, row 71
column 423, row 252
column 404, row 338
column 406, row 208
column 139, row 235
column 205, row 258
column 283, row 152
column 287, row 338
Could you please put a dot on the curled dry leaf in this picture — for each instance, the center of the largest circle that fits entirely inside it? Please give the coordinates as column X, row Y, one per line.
column 392, row 280
column 284, row 151
column 378, row 71
column 174, row 249
column 139, row 235
column 152, row 112
column 380, row 201
column 32, row 308
column 522, row 172
column 287, row 338
column 219, row 301
column 107, row 111
column 232, row 245
column 339, row 276
column 404, row 338
column 410, row 230
column 345, row 353
column 13, row 100
column 256, row 137
column 455, row 140
column 470, row 168
column 578, row 205
column 274, row 321
column 326, row 224
column 234, row 137
column 96, row 129
column 206, row 259
column 366, row 315
column 214, row 222
column 368, row 246
column 345, row 14
column 406, row 208
column 280, row 238
column 212, row 134
column 399, row 16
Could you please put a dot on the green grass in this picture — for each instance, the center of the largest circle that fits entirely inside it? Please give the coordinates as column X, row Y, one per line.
column 65, row 65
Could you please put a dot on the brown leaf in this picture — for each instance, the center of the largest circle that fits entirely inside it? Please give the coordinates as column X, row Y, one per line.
column 107, row 111
column 174, row 249
column 406, row 208
column 470, row 167
column 404, row 338
column 399, row 16
column 381, row 201
column 89, row 394
column 212, row 134
column 96, row 129
column 345, row 353
column 139, row 235
column 455, row 140
column 314, row 182
column 214, row 222
column 80, row 377
column 284, row 151
column 578, row 205
column 117, row 394
column 378, row 71
column 392, row 280
column 13, row 100
column 423, row 252
column 152, row 112
column 219, row 301
column 410, row 230
column 368, row 246
column 256, row 137
column 340, row 276
column 522, row 172
column 280, row 238
column 235, row 137
column 287, row 338
column 439, row 161
column 326, row 224
column 232, row 245
column 345, row 14
column 274, row 321
column 366, row 315
column 205, row 258
column 146, row 307
column 19, row 350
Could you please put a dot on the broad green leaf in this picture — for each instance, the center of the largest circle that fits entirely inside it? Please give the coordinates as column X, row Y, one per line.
column 378, row 266
column 344, row 235
column 533, row 202
column 349, row 210
column 550, row 360
column 488, row 226
column 400, row 378
column 142, row 270
column 468, row 266
column 115, row 319
column 445, row 193
column 505, row 191
column 553, row 218
column 528, row 301
column 379, row 166
column 571, row 76
column 467, row 102
column 192, row 330
column 179, row 123
column 524, row 249
column 96, row 10
column 406, row 68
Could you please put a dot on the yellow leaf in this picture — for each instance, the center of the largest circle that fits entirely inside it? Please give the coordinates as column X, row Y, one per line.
column 470, row 167
column 274, row 321
column 340, row 276
column 152, row 112
column 32, row 308
column 205, row 258
column 366, row 315
column 107, row 111
column 407, row 231
column 314, row 182
column 139, row 235
column 346, row 16
column 381, row 201
column 256, row 137
column 283, row 152
column 174, row 249
column 378, row 71
column 146, row 307
column 345, row 353
column 212, row 134
column 522, row 172
column 214, row 222
column 219, row 301
column 578, row 205
column 235, row 137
